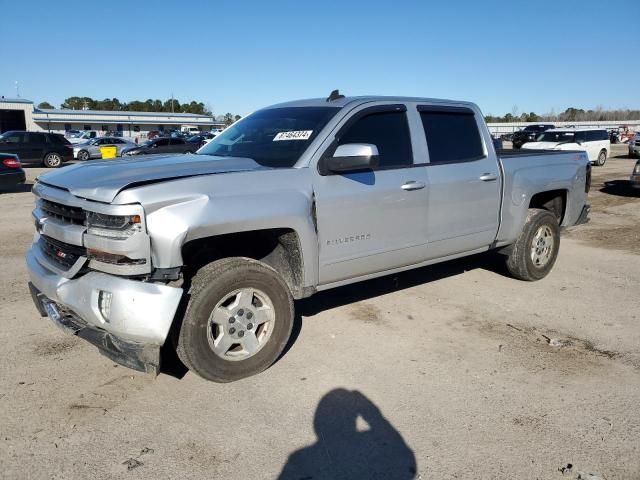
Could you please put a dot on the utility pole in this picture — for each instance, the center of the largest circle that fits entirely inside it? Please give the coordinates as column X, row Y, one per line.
column 171, row 102
column 17, row 89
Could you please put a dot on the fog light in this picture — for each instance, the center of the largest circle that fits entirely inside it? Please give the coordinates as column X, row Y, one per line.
column 104, row 302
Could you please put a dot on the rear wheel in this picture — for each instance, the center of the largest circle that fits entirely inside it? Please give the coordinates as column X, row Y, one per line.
column 238, row 320
column 533, row 255
column 602, row 158
column 52, row 160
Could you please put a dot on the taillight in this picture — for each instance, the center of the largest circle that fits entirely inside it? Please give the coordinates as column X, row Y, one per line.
column 11, row 163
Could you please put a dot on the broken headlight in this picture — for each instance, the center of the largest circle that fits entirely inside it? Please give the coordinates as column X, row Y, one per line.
column 118, row 227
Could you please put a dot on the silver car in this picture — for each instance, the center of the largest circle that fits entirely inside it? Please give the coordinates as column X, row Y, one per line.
column 91, row 149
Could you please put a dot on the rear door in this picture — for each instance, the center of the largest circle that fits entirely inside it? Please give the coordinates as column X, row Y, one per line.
column 37, row 145
column 14, row 142
column 178, row 145
column 464, row 180
column 161, row 146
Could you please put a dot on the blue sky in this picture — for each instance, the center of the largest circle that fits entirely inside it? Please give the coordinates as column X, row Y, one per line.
column 240, row 55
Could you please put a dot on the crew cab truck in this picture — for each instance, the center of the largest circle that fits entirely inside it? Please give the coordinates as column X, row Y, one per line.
column 207, row 253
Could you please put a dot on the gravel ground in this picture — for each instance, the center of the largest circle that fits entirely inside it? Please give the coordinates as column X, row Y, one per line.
column 451, row 371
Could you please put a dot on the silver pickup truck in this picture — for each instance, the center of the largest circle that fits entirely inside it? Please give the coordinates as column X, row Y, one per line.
column 206, row 253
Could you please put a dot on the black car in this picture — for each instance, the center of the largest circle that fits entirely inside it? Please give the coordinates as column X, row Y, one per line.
column 162, row 145
column 48, row 149
column 529, row 134
column 11, row 173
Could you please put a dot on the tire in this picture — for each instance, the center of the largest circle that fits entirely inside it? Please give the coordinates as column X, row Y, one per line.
column 602, row 158
column 525, row 261
column 235, row 324
column 83, row 155
column 52, row 160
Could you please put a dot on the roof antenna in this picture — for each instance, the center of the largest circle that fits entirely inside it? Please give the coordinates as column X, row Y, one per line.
column 335, row 95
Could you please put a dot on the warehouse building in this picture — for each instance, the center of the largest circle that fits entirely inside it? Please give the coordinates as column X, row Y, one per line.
column 21, row 114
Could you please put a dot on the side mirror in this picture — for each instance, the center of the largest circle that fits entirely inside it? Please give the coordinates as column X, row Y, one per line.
column 351, row 157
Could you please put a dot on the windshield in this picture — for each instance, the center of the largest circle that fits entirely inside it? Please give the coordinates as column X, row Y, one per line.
column 557, row 137
column 275, row 137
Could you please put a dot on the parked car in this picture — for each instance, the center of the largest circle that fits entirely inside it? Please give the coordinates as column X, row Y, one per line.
column 529, row 134
column 593, row 141
column 497, row 143
column 634, row 146
column 506, row 137
column 72, row 133
column 635, row 175
column 161, row 145
column 290, row 200
column 84, row 136
column 50, row 149
column 197, row 140
column 11, row 172
column 189, row 130
column 91, row 149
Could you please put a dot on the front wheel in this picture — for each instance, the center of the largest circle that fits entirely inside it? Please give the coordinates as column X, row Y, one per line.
column 52, row 160
column 533, row 255
column 238, row 320
column 602, row 158
column 83, row 155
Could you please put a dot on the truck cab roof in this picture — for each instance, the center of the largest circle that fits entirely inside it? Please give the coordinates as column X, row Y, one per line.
column 358, row 100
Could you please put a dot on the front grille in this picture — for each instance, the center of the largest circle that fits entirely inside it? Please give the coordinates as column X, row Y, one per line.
column 62, row 254
column 73, row 215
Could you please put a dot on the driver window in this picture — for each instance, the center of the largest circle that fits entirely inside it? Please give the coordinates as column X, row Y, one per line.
column 389, row 131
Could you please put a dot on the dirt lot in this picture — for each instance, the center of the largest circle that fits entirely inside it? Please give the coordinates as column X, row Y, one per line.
column 444, row 372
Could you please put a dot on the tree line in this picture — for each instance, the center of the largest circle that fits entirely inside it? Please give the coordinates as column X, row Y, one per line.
column 572, row 114
column 113, row 104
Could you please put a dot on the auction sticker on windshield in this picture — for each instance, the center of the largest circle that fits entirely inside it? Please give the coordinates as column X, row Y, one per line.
column 294, row 135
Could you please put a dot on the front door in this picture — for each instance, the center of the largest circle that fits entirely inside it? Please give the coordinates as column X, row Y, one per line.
column 374, row 220
column 464, row 181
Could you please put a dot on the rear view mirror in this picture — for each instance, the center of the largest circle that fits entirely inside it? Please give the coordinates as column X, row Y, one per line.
column 351, row 157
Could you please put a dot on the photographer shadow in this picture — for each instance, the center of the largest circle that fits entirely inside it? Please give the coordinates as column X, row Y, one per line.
column 345, row 450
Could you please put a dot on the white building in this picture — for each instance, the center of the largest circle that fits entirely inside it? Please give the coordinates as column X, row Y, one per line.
column 20, row 114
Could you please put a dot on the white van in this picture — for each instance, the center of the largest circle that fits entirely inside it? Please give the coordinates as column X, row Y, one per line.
column 594, row 141
column 189, row 130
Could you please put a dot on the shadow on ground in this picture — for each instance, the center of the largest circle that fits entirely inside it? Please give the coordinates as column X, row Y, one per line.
column 620, row 188
column 337, row 297
column 357, row 292
column 345, row 450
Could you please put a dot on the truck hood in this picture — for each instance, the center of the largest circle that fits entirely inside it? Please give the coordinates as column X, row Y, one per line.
column 102, row 180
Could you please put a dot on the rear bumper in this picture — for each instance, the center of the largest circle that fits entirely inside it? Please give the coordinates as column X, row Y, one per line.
column 138, row 320
column 10, row 179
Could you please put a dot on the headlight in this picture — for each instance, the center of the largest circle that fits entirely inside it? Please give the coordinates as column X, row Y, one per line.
column 637, row 169
column 118, row 227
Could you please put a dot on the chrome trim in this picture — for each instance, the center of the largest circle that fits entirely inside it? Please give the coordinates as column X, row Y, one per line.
column 58, row 230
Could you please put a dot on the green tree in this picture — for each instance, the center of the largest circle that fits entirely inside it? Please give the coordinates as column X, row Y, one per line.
column 228, row 119
column 237, row 117
column 45, row 106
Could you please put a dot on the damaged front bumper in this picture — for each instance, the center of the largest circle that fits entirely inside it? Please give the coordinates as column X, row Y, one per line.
column 128, row 320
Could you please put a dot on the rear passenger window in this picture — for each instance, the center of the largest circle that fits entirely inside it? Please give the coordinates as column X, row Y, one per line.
column 452, row 135
column 389, row 131
column 177, row 141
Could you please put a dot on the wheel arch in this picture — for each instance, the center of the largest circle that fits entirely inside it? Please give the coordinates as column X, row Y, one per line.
column 554, row 201
column 279, row 248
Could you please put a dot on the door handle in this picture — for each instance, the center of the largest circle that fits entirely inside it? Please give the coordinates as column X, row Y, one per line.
column 413, row 185
column 488, row 177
